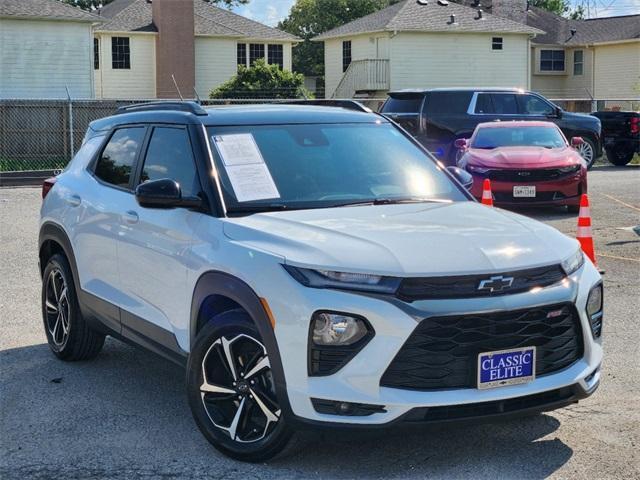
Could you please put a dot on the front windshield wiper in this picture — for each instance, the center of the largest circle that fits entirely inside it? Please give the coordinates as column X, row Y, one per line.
column 271, row 207
column 391, row 201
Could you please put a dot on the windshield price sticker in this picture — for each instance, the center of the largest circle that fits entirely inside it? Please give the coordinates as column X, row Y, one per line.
column 247, row 171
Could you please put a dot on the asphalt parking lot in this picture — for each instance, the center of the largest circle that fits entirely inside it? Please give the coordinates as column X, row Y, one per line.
column 125, row 414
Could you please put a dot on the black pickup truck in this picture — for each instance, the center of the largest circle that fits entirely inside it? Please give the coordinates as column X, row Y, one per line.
column 621, row 134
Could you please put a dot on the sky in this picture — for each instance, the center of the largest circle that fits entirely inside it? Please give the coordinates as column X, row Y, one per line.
column 271, row 12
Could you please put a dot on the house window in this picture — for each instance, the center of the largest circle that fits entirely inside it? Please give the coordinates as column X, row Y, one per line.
column 96, row 54
column 496, row 43
column 120, row 53
column 276, row 56
column 346, row 55
column 578, row 62
column 242, row 54
column 256, row 51
column 552, row 60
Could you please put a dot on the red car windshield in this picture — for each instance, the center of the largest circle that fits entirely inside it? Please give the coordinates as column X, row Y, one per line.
column 533, row 136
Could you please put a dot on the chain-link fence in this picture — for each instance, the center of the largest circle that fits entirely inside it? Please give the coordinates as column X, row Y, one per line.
column 43, row 135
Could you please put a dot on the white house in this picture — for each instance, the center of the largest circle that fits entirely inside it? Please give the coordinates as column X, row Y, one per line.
column 142, row 46
column 418, row 44
column 45, row 49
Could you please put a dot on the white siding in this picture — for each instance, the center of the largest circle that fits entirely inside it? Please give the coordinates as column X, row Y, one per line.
column 363, row 47
column 215, row 63
column 138, row 82
column 38, row 59
column 617, row 71
column 431, row 60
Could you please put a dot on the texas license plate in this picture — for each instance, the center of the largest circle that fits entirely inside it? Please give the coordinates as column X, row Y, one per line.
column 506, row 367
column 521, row 191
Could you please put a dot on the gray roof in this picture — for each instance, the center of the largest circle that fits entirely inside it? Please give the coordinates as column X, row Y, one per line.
column 45, row 9
column 558, row 29
column 435, row 16
column 596, row 30
column 136, row 16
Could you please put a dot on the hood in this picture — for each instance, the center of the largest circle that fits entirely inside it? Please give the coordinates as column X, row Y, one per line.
column 427, row 239
column 523, row 157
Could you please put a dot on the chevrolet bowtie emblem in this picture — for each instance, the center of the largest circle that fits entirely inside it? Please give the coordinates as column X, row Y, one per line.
column 496, row 284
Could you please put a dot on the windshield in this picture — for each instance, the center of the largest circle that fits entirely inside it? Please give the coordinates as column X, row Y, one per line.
column 274, row 167
column 534, row 136
column 403, row 104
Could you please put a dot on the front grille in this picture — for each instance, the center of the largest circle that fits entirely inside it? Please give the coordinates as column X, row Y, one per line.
column 535, row 175
column 538, row 401
column 442, row 352
column 466, row 286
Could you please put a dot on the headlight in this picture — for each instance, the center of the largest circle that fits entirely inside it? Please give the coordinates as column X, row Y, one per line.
column 573, row 263
column 571, row 169
column 337, row 329
column 474, row 169
column 343, row 280
column 594, row 302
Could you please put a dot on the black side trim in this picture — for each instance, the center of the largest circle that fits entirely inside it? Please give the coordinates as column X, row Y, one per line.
column 152, row 337
column 219, row 283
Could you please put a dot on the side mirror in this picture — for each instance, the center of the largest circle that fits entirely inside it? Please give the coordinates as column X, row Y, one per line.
column 164, row 193
column 558, row 112
column 460, row 143
column 464, row 177
column 576, row 141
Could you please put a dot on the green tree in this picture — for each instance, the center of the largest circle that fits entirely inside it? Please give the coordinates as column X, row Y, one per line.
column 94, row 4
column 309, row 18
column 262, row 81
column 560, row 7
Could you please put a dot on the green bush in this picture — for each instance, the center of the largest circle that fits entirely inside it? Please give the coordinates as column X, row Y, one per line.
column 262, row 81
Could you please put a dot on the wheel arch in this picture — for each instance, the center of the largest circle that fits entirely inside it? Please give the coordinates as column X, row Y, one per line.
column 51, row 240
column 228, row 292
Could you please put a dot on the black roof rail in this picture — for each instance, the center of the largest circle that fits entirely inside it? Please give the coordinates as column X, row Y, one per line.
column 348, row 104
column 190, row 107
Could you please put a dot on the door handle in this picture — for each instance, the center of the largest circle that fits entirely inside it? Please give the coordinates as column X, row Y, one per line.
column 74, row 200
column 130, row 217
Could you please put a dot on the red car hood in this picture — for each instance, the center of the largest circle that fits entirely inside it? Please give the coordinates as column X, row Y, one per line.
column 523, row 157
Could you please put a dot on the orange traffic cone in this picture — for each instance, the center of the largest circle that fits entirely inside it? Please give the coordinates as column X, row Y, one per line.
column 585, row 236
column 487, row 197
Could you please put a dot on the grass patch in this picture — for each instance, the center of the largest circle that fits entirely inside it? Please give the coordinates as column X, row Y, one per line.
column 24, row 164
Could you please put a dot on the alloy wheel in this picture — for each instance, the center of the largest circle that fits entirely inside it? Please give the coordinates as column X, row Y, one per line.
column 586, row 152
column 237, row 391
column 57, row 308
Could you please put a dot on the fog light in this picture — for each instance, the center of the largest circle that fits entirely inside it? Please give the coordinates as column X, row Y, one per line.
column 337, row 329
column 331, row 407
column 594, row 309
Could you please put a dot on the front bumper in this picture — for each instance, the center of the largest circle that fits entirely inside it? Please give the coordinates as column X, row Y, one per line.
column 564, row 191
column 394, row 321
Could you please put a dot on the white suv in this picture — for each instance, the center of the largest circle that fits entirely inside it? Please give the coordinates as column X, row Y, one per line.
column 310, row 265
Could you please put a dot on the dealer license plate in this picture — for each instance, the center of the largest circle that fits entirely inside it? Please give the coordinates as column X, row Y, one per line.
column 506, row 367
column 520, row 191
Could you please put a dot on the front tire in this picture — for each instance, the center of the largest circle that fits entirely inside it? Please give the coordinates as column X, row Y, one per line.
column 587, row 151
column 68, row 335
column 231, row 390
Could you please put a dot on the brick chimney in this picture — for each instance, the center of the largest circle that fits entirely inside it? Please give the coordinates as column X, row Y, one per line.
column 175, row 47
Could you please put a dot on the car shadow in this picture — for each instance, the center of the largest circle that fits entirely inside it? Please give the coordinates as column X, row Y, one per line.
column 125, row 413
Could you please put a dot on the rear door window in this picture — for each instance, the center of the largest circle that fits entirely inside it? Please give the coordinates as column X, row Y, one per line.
column 403, row 104
column 497, row 104
column 116, row 163
column 447, row 103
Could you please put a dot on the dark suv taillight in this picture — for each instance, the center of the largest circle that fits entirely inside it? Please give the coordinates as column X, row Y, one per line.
column 635, row 125
column 47, row 185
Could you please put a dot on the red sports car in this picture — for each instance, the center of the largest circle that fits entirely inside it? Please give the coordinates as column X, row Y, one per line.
column 528, row 163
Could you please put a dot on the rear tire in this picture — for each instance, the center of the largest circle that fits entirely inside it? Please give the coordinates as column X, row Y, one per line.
column 68, row 335
column 231, row 390
column 620, row 154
